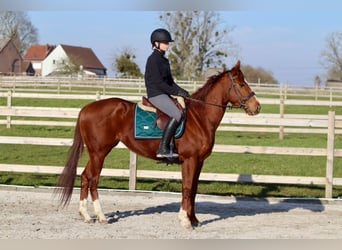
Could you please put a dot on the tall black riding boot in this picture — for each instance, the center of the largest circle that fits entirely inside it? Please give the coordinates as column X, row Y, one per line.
column 168, row 133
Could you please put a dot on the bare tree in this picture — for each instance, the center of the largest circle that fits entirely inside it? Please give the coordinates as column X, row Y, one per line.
column 200, row 42
column 17, row 26
column 331, row 56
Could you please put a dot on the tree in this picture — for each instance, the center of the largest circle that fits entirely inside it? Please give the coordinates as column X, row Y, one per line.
column 17, row 26
column 125, row 65
column 200, row 42
column 258, row 75
column 69, row 66
column 331, row 56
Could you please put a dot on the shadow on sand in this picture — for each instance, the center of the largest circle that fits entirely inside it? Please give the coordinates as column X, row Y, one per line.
column 229, row 209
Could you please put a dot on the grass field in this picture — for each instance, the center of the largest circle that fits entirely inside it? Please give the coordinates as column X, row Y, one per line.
column 216, row 163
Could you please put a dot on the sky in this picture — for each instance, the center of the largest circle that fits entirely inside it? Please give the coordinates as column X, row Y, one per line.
column 286, row 39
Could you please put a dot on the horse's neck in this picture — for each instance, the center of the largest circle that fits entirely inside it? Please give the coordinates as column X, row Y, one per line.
column 214, row 107
column 214, row 114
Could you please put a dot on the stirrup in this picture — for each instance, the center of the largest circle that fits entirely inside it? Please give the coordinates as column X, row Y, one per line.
column 167, row 155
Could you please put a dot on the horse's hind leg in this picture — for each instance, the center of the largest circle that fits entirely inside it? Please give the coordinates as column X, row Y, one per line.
column 89, row 182
column 83, row 210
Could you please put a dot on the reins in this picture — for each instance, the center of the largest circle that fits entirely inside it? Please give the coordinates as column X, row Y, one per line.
column 212, row 104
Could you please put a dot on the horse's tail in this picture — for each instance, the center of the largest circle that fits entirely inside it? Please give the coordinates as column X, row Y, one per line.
column 66, row 180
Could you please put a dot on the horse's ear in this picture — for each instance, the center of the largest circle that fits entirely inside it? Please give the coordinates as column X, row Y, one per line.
column 236, row 67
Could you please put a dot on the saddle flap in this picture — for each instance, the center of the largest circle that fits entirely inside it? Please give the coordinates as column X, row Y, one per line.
column 161, row 118
column 145, row 125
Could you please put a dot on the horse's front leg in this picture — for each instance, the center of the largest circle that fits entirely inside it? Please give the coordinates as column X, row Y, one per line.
column 191, row 170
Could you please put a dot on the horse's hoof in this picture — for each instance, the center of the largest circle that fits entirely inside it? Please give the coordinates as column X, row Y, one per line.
column 86, row 218
column 185, row 224
column 103, row 221
column 196, row 224
column 88, row 221
column 101, row 218
column 184, row 220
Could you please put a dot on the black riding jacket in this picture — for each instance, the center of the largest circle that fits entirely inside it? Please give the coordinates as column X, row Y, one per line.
column 158, row 77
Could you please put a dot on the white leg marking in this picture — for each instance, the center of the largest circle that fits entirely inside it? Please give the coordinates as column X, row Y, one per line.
column 83, row 211
column 98, row 212
column 183, row 219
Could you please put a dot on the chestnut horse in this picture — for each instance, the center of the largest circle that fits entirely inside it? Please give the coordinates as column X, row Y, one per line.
column 102, row 124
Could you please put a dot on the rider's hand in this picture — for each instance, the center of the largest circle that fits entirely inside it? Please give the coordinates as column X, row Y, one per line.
column 183, row 93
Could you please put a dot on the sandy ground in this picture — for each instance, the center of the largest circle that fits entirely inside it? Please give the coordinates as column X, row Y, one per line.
column 33, row 213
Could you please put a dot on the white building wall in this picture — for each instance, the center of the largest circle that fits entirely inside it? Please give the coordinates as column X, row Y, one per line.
column 53, row 60
column 37, row 66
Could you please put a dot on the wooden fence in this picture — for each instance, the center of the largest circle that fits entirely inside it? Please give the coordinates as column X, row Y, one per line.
column 123, row 86
column 327, row 124
column 284, row 121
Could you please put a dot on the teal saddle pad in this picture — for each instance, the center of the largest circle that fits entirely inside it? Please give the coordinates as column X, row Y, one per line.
column 146, row 128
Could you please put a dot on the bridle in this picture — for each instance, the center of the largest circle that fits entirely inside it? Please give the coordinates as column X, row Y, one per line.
column 242, row 99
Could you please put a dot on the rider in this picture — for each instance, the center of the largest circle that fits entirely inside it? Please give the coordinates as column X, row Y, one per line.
column 160, row 85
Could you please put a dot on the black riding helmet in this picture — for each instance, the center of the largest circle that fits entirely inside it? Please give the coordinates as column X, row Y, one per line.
column 161, row 35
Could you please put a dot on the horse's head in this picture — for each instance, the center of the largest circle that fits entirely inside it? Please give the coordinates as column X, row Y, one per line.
column 240, row 94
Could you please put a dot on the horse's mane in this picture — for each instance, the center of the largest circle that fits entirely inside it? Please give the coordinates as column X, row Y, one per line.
column 202, row 92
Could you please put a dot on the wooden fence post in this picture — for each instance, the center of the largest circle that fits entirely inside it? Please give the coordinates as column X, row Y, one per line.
column 330, row 98
column 281, row 111
column 58, row 87
column 285, row 91
column 330, row 154
column 14, row 83
column 132, row 183
column 140, row 87
column 9, row 105
column 104, row 86
column 98, row 96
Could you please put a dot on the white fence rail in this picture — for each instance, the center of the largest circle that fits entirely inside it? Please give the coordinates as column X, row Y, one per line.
column 287, row 123
column 9, row 94
column 112, row 86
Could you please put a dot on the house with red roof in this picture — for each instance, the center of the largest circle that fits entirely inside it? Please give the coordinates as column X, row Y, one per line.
column 36, row 54
column 67, row 59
